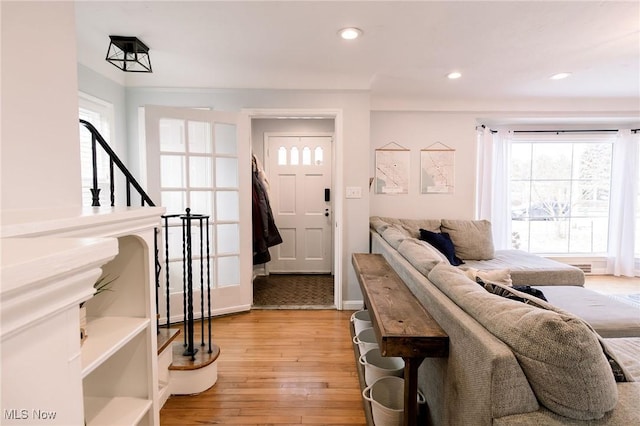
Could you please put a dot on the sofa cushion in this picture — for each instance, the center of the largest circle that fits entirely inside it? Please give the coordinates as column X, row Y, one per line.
column 434, row 252
column 378, row 224
column 558, row 352
column 531, row 269
column 472, row 238
column 626, row 352
column 443, row 243
column 500, row 276
column 394, row 236
column 412, row 226
column 626, row 413
column 609, row 316
column 421, row 255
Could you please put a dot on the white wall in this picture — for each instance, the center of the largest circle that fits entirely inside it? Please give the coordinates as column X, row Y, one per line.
column 416, row 131
column 94, row 84
column 355, row 125
column 40, row 144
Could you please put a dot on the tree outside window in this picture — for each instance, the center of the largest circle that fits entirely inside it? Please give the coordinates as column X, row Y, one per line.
column 560, row 196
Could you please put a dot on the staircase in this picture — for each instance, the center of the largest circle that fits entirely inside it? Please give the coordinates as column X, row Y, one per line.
column 183, row 368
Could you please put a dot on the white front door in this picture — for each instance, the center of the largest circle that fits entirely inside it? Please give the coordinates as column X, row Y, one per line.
column 200, row 160
column 299, row 170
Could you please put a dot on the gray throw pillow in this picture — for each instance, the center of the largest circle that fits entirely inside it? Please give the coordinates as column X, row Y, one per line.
column 472, row 239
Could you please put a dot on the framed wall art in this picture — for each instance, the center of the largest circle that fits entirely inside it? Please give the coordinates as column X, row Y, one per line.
column 392, row 169
column 437, row 169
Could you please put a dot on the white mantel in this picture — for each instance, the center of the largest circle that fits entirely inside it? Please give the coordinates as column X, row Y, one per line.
column 78, row 221
column 41, row 277
column 50, row 261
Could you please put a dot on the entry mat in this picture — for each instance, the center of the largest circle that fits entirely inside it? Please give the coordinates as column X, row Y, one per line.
column 293, row 291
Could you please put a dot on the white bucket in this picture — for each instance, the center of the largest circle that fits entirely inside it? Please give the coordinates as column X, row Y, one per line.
column 361, row 320
column 376, row 366
column 366, row 340
column 386, row 396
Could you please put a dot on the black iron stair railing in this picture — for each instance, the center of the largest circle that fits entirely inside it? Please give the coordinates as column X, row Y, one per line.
column 114, row 160
column 188, row 220
column 96, row 138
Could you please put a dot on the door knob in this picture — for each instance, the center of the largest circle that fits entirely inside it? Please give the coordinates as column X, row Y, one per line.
column 326, row 212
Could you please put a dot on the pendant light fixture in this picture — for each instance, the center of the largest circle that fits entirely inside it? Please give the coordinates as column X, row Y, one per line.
column 129, row 54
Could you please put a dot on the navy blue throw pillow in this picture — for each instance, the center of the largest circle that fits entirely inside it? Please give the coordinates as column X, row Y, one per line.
column 441, row 241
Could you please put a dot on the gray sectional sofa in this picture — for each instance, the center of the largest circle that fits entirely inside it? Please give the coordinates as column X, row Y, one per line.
column 474, row 244
column 515, row 362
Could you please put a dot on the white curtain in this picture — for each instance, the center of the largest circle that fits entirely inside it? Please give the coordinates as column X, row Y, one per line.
column 483, row 181
column 622, row 213
column 493, row 192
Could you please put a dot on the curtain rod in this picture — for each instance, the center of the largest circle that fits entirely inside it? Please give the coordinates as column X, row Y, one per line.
column 567, row 131
column 564, row 131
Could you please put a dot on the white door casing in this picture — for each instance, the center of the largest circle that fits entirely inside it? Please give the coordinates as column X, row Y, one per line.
column 300, row 176
column 196, row 159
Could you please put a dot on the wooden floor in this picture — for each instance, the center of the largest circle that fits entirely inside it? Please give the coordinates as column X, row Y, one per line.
column 613, row 285
column 278, row 367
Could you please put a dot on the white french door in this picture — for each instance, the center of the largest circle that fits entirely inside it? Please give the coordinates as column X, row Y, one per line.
column 200, row 160
column 299, row 170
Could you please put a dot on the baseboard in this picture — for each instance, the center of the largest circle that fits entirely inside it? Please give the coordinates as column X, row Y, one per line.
column 197, row 316
column 352, row 305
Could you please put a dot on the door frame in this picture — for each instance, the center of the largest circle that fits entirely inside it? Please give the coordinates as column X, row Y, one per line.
column 336, row 173
column 266, row 166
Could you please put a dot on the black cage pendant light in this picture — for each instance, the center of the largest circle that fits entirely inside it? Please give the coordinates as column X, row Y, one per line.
column 129, row 54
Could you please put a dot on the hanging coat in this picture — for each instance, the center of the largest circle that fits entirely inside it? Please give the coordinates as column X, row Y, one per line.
column 265, row 232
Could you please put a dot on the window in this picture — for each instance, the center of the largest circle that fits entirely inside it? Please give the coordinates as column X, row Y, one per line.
column 318, row 154
column 294, row 155
column 560, row 193
column 100, row 114
column 306, row 156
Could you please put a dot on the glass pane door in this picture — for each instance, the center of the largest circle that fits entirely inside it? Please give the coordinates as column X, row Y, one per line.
column 193, row 159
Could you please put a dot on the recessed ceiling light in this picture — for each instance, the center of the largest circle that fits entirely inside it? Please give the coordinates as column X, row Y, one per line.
column 560, row 76
column 350, row 33
column 454, row 75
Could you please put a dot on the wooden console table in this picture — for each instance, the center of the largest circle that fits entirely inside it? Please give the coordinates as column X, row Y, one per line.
column 402, row 325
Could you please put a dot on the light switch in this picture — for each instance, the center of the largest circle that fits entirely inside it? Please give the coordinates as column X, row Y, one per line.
column 354, row 192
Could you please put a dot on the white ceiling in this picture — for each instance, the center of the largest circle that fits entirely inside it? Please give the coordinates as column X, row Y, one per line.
column 505, row 50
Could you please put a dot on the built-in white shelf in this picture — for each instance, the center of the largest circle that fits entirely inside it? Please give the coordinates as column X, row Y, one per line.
column 51, row 259
column 121, row 411
column 105, row 336
column 163, row 392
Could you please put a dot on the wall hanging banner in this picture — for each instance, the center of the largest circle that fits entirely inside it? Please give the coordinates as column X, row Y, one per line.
column 437, row 169
column 392, row 169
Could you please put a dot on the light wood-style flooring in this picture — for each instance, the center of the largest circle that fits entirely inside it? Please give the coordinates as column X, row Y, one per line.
column 291, row 367
column 613, row 285
column 278, row 367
